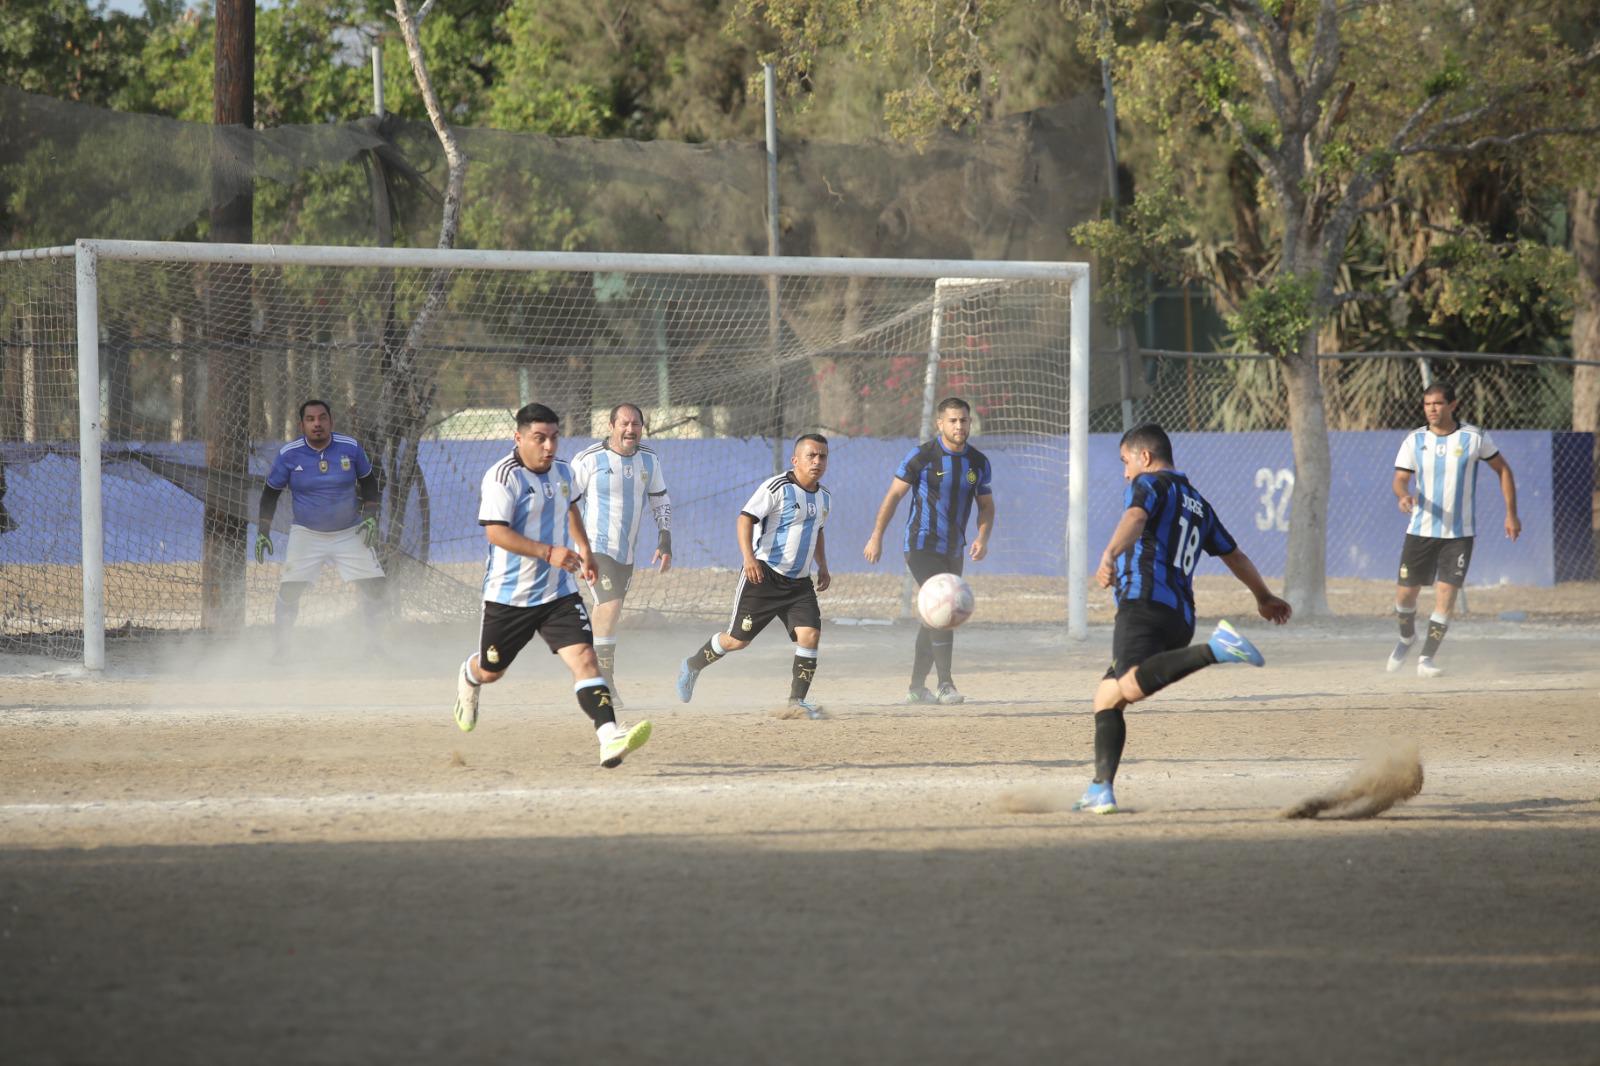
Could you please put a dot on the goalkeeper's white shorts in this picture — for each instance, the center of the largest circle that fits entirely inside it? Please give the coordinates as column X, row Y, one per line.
column 309, row 550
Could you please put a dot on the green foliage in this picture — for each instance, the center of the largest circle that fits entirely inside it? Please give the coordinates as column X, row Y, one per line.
column 1133, row 251
column 1276, row 317
column 1497, row 290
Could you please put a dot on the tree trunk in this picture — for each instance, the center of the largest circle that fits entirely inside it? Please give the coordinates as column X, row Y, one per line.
column 1586, row 329
column 1305, row 568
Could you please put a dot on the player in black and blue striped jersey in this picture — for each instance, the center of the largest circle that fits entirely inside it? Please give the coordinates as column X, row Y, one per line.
column 1151, row 558
column 946, row 479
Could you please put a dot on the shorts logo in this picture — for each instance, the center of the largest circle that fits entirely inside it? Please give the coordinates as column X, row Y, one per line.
column 493, row 655
column 605, row 582
column 1461, row 560
column 748, row 624
column 344, row 462
column 1403, row 571
column 972, row 477
column 322, row 465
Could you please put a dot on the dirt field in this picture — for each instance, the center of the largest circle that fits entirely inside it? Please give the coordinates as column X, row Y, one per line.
column 204, row 862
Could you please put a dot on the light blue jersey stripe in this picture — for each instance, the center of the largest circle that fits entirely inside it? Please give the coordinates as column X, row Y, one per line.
column 602, row 530
column 803, row 550
column 781, row 533
column 629, row 497
column 514, row 562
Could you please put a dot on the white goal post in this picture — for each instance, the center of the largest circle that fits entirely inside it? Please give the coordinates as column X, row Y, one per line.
column 841, row 317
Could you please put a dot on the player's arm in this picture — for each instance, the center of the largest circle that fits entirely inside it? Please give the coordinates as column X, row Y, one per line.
column 1271, row 607
column 891, row 500
column 1402, row 490
column 504, row 537
column 661, row 511
column 580, row 537
column 746, row 526
column 367, row 489
column 980, row 544
column 824, row 579
column 264, row 512
column 1129, row 528
column 1508, row 489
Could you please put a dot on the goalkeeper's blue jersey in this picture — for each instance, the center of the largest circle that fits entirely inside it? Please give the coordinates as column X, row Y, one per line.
column 322, row 482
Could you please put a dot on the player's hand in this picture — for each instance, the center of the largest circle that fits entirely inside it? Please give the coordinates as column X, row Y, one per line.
column 874, row 549
column 978, row 549
column 1513, row 526
column 752, row 571
column 568, row 560
column 587, row 568
column 369, row 530
column 263, row 547
column 1274, row 609
column 1107, row 574
column 662, row 561
column 824, row 579
column 1407, row 504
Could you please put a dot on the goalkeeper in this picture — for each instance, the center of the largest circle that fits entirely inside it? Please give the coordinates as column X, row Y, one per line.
column 335, row 494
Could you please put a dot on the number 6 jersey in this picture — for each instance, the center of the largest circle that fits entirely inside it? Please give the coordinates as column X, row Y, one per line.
column 1181, row 524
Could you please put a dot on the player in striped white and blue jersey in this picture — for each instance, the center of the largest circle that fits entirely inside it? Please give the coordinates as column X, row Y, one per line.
column 529, row 514
column 617, row 481
column 780, row 531
column 1442, row 459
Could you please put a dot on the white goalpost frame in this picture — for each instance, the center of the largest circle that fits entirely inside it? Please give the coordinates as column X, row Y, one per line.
column 88, row 253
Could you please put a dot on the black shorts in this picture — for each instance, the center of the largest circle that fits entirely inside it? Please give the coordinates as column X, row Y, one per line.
column 1425, row 558
column 925, row 564
column 793, row 599
column 506, row 630
column 1143, row 629
column 611, row 579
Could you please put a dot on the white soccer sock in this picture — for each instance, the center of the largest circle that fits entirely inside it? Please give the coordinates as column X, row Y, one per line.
column 1439, row 618
column 466, row 668
column 716, row 644
column 601, row 641
column 805, row 653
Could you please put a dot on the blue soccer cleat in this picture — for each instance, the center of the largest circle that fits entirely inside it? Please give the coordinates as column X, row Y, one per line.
column 1229, row 646
column 1097, row 799
column 686, row 680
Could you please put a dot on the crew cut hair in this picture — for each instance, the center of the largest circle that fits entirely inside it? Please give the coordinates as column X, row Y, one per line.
column 536, row 412
column 1149, row 438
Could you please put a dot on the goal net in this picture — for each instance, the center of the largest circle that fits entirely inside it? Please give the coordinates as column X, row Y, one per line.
column 182, row 368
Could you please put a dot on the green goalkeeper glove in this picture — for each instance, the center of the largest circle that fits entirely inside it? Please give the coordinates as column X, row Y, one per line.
column 369, row 531
column 263, row 547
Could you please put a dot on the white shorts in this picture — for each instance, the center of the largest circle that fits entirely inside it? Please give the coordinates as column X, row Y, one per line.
column 309, row 550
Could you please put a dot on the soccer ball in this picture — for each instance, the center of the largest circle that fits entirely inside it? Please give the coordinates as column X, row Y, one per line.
column 945, row 601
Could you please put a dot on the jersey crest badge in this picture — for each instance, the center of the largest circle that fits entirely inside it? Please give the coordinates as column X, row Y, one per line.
column 627, row 470
column 1439, row 451
column 322, row 465
column 748, row 624
column 493, row 655
column 811, row 510
column 344, row 462
column 565, row 489
column 972, row 477
column 549, row 491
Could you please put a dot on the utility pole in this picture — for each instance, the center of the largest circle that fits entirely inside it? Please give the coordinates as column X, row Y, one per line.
column 230, row 367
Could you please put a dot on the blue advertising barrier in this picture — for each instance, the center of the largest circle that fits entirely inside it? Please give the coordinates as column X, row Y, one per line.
column 1249, row 478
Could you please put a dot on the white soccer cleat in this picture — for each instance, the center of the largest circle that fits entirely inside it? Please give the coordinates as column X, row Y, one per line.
column 614, row 750
column 1425, row 668
column 466, row 701
column 1397, row 658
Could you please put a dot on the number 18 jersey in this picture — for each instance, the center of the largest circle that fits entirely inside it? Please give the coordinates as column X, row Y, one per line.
column 1159, row 568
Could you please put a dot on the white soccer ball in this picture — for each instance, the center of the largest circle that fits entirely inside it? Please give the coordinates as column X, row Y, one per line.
column 945, row 601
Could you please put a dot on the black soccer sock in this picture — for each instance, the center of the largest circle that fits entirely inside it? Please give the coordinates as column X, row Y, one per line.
column 287, row 609
column 922, row 659
column 595, row 699
column 1166, row 667
column 1110, row 734
column 709, row 653
column 944, row 645
column 1437, row 628
column 373, row 600
column 805, row 668
column 1408, row 622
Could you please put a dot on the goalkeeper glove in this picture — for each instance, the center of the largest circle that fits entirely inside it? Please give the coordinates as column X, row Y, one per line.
column 369, row 531
column 263, row 547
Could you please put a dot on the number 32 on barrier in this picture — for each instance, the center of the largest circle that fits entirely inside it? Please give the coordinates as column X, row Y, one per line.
column 1277, row 491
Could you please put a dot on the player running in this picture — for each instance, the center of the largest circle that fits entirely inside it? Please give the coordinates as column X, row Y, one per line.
column 616, row 480
column 1442, row 457
column 780, row 532
column 1151, row 558
column 949, row 476
column 336, row 504
column 531, row 519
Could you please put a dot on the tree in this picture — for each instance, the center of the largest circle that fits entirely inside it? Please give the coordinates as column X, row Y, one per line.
column 1326, row 105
